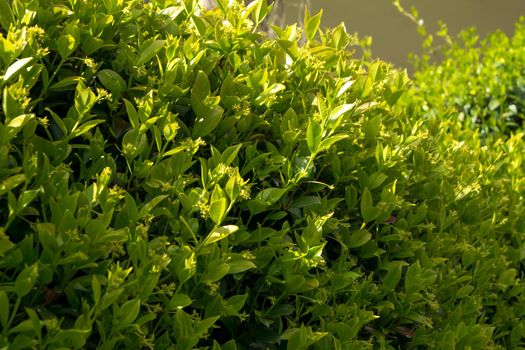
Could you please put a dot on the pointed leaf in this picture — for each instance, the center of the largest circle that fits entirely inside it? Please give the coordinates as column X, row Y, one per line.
column 128, row 312
column 179, row 301
column 218, row 210
column 4, row 309
column 239, row 266
column 82, row 129
column 15, row 68
column 314, row 133
column 330, row 141
column 132, row 114
column 359, row 238
column 338, row 111
column 148, row 52
column 112, row 81
column 219, row 233
column 6, row 15
column 312, row 25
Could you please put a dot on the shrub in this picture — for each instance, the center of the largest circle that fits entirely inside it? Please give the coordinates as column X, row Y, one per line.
column 173, row 179
column 481, row 82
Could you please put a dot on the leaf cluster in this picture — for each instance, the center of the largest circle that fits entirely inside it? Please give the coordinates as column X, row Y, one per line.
column 171, row 178
column 477, row 81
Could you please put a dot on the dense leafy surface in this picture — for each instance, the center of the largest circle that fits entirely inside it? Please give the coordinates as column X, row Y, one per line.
column 175, row 180
column 480, row 82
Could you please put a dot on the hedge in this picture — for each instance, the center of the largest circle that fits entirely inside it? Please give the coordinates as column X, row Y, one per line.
column 478, row 81
column 171, row 178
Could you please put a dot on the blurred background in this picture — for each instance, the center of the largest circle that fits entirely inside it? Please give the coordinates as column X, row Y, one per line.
column 394, row 35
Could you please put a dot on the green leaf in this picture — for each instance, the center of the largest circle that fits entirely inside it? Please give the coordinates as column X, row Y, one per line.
column 372, row 127
column 26, row 280
column 314, row 134
column 146, row 108
column 132, row 114
column 359, row 238
column 330, row 141
column 371, row 213
column 149, row 51
column 179, row 301
column 207, row 121
column 218, row 210
column 373, row 70
column 84, row 99
column 508, row 277
column 305, row 202
column 259, row 10
column 201, row 87
column 6, row 15
column 58, row 120
column 4, row 309
column 146, row 209
column 219, row 233
column 393, row 276
column 207, row 117
column 269, row 196
column 70, row 338
column 269, row 93
column 230, row 153
column 112, row 81
column 338, row 111
column 15, row 125
column 66, row 45
column 127, row 313
column 236, row 302
column 5, row 243
column 413, row 282
column 312, row 24
column 11, row 182
column 15, row 68
column 366, row 199
column 82, row 129
column 25, row 198
column 238, row 266
column 68, row 83
column 367, row 85
column 109, row 299
column 97, row 291
column 344, row 88
column 215, row 272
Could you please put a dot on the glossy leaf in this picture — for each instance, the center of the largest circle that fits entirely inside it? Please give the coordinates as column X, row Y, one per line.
column 149, row 51
column 220, row 233
column 313, row 135
column 14, row 69
column 112, row 81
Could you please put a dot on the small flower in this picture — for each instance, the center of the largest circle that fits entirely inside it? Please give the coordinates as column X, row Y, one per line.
column 213, row 288
column 223, row 169
column 245, row 193
column 166, row 187
column 129, row 149
column 36, row 32
column 116, row 193
column 103, row 95
column 204, row 210
column 42, row 52
column 90, row 63
column 248, row 255
column 43, row 121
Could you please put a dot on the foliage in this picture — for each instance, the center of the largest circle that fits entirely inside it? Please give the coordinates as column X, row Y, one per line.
column 481, row 82
column 172, row 179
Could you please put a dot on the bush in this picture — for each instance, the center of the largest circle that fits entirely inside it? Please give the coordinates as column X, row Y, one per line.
column 481, row 82
column 176, row 180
